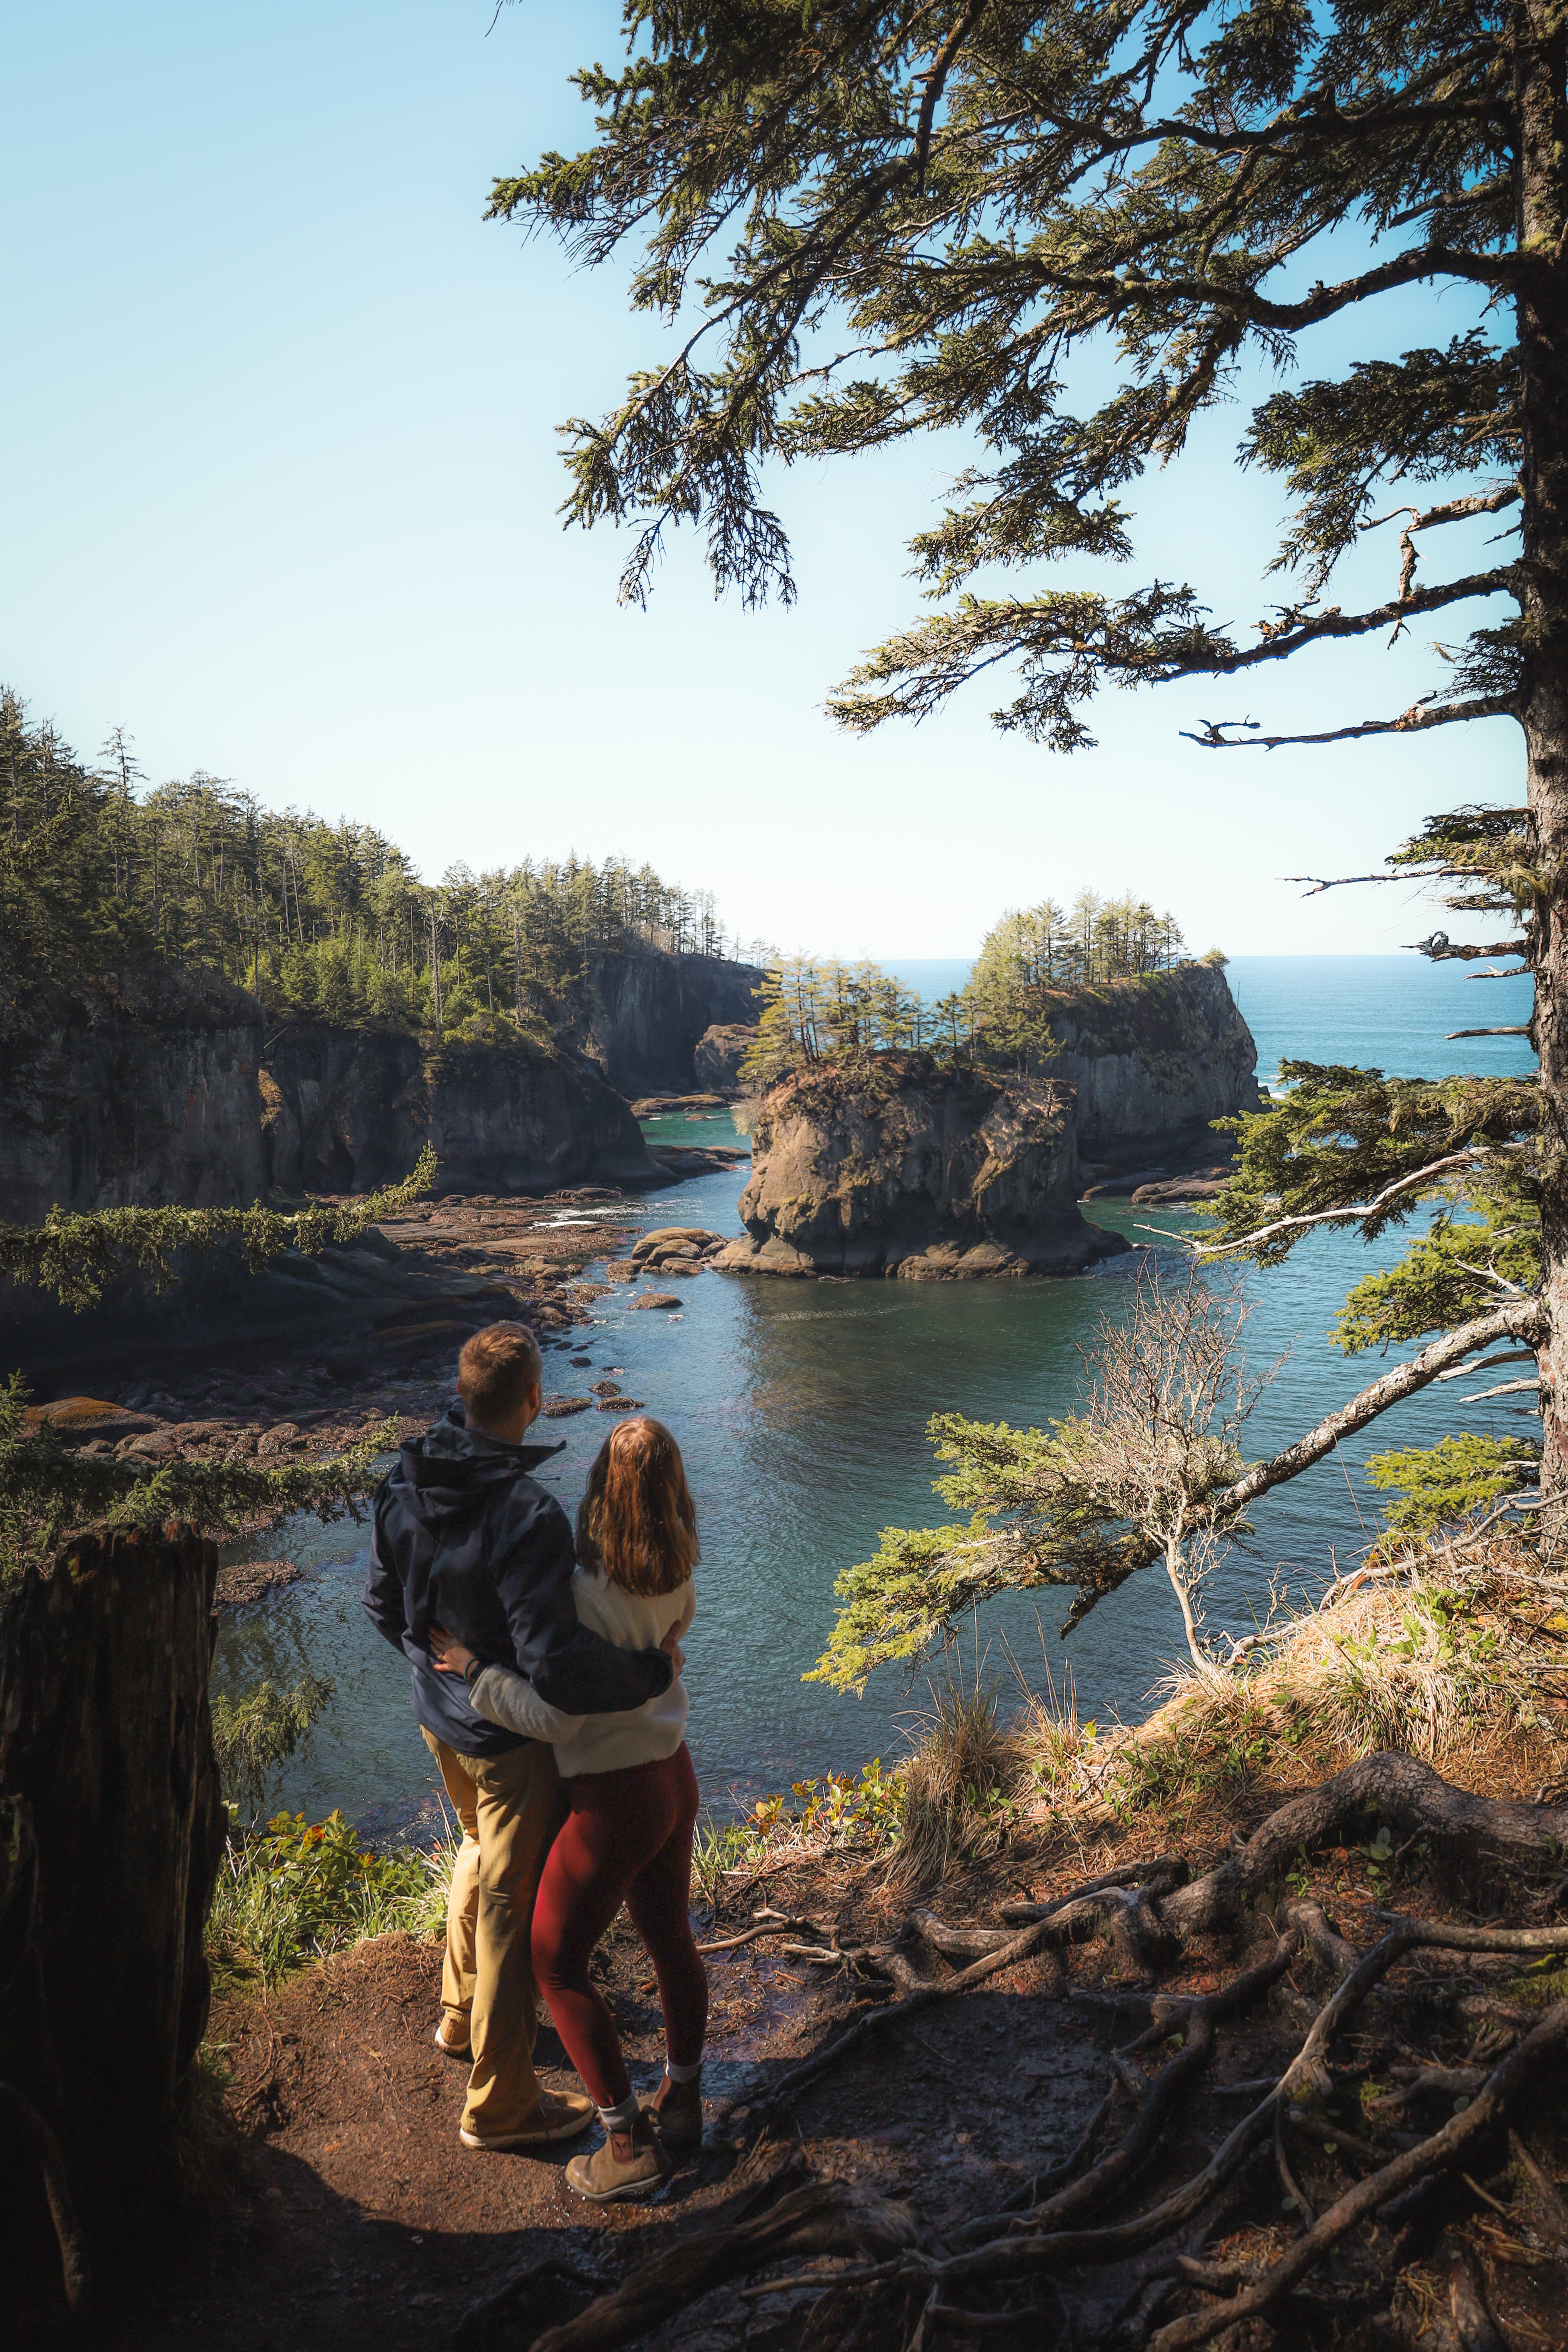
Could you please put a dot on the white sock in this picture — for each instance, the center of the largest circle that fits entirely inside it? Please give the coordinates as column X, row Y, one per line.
column 682, row 2073
column 621, row 2118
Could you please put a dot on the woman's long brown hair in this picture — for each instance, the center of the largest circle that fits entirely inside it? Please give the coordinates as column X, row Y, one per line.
column 637, row 1520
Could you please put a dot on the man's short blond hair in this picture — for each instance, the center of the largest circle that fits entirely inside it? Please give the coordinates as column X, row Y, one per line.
column 496, row 1370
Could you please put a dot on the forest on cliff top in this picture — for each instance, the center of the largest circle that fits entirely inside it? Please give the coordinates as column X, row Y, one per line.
column 101, row 877
column 817, row 1010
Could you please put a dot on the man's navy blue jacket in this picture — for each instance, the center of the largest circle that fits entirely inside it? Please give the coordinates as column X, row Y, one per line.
column 466, row 1539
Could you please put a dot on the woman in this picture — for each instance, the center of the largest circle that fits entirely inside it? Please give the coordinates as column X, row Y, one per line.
column 632, row 1795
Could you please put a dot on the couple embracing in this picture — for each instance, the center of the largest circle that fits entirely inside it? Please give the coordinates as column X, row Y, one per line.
column 547, row 1682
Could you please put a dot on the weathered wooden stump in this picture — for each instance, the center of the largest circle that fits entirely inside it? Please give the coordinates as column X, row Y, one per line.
column 112, row 1831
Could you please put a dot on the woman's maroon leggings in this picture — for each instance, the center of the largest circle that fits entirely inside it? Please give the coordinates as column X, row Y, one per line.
column 627, row 1838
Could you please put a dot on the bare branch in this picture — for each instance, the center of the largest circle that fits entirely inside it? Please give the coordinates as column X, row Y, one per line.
column 1340, row 1216
column 1452, row 509
column 1525, row 1319
column 1439, row 948
column 1468, row 1371
column 1518, row 1029
column 1428, row 712
column 1504, row 1388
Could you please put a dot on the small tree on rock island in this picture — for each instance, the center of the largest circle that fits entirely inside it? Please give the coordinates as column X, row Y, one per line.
column 891, row 219
column 1144, row 1473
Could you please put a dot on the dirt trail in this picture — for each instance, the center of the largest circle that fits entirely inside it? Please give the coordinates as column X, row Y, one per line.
column 352, row 2215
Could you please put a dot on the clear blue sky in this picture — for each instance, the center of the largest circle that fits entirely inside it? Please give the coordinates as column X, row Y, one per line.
column 280, row 481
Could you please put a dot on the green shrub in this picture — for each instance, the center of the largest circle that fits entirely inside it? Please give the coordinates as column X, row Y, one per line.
column 295, row 1891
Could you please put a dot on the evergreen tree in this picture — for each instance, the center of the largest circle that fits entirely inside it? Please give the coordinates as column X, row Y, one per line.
column 100, row 877
column 921, row 212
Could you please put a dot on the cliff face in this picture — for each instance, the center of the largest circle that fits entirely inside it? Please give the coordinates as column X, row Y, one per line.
column 641, row 1016
column 149, row 1096
column 719, row 1054
column 346, row 1112
column 907, row 1168
column 1153, row 1061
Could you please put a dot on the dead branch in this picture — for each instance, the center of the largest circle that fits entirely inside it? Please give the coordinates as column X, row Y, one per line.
column 1359, row 1210
column 1490, row 1364
column 1430, row 712
column 1129, row 1874
column 1439, row 948
column 1516, row 1029
column 776, row 1925
column 1520, row 1318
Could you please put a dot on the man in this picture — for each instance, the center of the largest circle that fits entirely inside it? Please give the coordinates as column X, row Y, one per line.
column 465, row 1538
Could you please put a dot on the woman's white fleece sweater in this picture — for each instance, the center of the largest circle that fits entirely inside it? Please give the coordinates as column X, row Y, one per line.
column 600, row 1743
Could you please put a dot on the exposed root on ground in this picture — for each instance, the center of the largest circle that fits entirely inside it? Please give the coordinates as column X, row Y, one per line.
column 986, row 2275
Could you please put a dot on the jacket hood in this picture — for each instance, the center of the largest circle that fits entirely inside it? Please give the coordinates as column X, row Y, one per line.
column 448, row 1473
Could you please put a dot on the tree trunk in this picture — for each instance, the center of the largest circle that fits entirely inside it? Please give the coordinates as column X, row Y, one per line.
column 1541, row 47
column 111, row 1832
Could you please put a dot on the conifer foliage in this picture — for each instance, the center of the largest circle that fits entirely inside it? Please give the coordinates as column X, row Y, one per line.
column 865, row 221
column 101, row 876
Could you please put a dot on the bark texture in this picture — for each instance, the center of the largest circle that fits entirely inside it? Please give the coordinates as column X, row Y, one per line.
column 1541, row 62
column 112, row 1828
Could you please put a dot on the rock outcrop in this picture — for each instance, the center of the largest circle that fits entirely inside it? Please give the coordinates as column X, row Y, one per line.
column 1151, row 1062
column 909, row 1168
column 719, row 1053
column 640, row 1015
column 146, row 1095
column 348, row 1111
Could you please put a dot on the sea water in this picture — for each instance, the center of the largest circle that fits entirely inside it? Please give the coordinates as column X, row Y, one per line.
column 801, row 1408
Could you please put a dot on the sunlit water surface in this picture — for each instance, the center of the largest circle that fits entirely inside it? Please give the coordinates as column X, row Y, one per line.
column 802, row 1409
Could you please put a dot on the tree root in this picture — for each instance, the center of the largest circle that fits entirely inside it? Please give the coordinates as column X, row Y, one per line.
column 30, row 2127
column 1053, row 2224
column 1516, row 2075
column 828, row 2217
column 1412, row 1799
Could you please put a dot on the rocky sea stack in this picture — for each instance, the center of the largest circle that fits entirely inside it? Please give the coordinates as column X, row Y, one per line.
column 901, row 1165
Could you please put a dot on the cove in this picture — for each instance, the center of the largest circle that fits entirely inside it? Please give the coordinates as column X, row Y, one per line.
column 801, row 1408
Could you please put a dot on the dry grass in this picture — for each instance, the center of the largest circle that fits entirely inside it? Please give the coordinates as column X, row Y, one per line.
column 1455, row 1653
column 960, row 1782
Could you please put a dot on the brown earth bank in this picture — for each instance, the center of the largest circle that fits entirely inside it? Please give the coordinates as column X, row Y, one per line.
column 1168, row 1983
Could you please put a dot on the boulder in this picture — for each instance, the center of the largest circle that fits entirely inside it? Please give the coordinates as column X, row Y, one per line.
column 720, row 1051
column 654, row 1298
column 1176, row 1189
column 900, row 1165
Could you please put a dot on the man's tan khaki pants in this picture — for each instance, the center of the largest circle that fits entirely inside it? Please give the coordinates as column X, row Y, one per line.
column 511, row 1807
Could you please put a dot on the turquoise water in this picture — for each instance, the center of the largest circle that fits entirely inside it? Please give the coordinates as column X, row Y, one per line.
column 801, row 1408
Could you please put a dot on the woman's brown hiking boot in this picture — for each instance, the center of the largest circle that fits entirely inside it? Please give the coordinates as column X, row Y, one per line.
column 632, row 2163
column 677, row 2109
